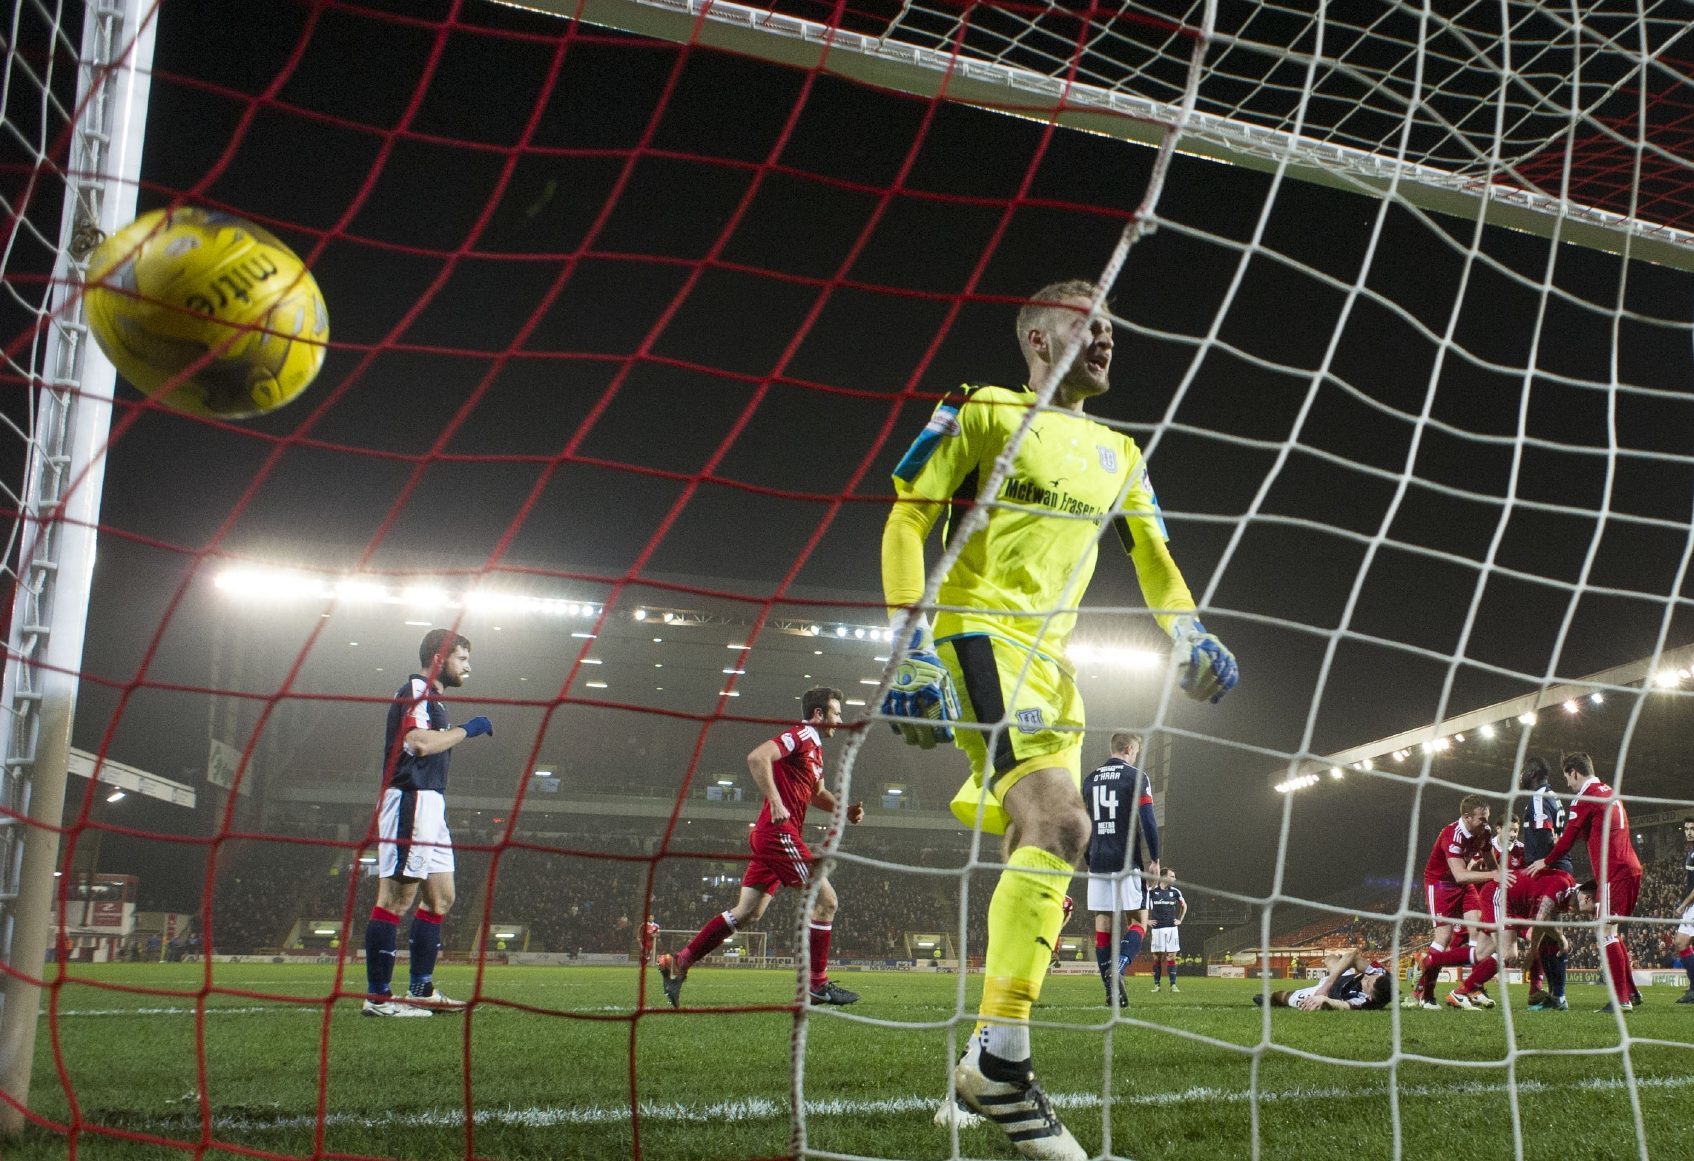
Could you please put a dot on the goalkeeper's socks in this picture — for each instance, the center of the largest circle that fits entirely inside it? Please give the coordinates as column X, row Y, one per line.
column 1006, row 1044
column 1130, row 947
column 425, row 947
column 1024, row 917
column 382, row 937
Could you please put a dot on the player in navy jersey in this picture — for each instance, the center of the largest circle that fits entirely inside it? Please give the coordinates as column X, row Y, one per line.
column 788, row 770
column 1685, row 930
column 414, row 847
column 1543, row 813
column 1120, row 808
column 1354, row 983
column 1543, row 819
column 1169, row 909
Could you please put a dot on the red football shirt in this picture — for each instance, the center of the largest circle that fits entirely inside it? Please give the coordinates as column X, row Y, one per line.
column 798, row 773
column 1454, row 841
column 1599, row 814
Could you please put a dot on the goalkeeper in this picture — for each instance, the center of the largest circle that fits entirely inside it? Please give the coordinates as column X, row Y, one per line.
column 995, row 660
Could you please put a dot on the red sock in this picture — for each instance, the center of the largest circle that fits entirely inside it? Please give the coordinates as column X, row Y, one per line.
column 1481, row 973
column 717, row 929
column 1452, row 957
column 1617, row 960
column 383, row 915
column 1102, row 939
column 819, row 947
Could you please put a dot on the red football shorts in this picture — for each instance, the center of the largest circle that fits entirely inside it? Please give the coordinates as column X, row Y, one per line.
column 779, row 857
column 1617, row 896
column 1450, row 900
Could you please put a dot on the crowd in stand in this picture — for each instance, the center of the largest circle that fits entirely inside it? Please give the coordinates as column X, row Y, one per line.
column 590, row 895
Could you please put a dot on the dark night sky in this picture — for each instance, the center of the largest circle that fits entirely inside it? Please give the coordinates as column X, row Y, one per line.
column 469, row 327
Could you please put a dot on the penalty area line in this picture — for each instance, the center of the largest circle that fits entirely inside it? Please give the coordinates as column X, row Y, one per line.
column 763, row 1108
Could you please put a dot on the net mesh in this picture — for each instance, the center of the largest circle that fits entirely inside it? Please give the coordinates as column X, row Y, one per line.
column 629, row 327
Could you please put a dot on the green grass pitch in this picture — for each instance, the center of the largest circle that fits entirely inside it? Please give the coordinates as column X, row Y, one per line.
column 546, row 1065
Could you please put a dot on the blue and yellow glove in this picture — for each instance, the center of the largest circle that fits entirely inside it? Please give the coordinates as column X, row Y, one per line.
column 922, row 689
column 1208, row 669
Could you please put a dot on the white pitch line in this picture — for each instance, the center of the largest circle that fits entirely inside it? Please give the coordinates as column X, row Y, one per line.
column 312, row 1008
column 763, row 1108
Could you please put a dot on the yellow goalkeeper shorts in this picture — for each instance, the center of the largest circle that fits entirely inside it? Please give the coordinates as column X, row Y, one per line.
column 1026, row 720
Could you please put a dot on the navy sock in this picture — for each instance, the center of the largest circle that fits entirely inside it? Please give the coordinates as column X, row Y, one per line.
column 425, row 946
column 1556, row 965
column 382, row 935
column 1103, row 961
column 1130, row 947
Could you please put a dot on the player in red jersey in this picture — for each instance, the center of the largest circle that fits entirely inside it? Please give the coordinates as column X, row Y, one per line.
column 1539, row 898
column 1451, row 888
column 649, row 933
column 1491, row 944
column 788, row 771
column 1598, row 813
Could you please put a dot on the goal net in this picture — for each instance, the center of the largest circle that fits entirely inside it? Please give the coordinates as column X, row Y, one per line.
column 635, row 307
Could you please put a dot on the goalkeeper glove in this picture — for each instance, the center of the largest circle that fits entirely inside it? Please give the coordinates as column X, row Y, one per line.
column 1208, row 668
column 477, row 727
column 922, row 688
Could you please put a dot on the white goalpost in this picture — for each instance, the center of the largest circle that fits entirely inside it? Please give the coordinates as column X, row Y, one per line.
column 50, row 550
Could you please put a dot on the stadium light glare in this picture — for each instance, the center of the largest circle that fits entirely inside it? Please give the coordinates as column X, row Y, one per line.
column 1486, row 731
column 1571, row 707
column 116, row 796
column 640, row 614
column 1337, row 772
column 841, row 630
column 1597, row 698
column 424, row 596
column 1527, row 718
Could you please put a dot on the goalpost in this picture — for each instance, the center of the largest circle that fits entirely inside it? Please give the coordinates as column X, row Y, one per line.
column 636, row 304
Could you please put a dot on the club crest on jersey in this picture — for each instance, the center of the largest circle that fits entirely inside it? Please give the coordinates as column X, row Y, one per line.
column 1029, row 721
column 1108, row 458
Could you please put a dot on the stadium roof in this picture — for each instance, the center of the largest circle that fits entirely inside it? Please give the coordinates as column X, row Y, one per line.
column 1634, row 719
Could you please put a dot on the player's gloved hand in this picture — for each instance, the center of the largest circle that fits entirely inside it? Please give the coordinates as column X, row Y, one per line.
column 477, row 727
column 1208, row 669
column 922, row 689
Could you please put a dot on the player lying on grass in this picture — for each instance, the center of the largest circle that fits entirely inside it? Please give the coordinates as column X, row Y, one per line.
column 1355, row 983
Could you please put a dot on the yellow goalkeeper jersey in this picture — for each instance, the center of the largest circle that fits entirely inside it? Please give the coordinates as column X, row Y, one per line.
column 1024, row 573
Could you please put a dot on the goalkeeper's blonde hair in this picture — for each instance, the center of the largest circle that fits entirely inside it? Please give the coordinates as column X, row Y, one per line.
column 1036, row 314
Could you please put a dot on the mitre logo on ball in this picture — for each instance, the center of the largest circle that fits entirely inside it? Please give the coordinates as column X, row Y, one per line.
column 207, row 312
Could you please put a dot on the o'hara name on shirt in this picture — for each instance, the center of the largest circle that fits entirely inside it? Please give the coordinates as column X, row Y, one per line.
column 1021, row 491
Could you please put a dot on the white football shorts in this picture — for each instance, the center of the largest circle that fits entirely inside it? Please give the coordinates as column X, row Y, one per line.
column 1164, row 939
column 412, row 838
column 1108, row 893
column 1687, row 926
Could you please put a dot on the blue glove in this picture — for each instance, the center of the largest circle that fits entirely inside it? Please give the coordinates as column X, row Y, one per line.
column 922, row 689
column 1208, row 669
column 477, row 727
